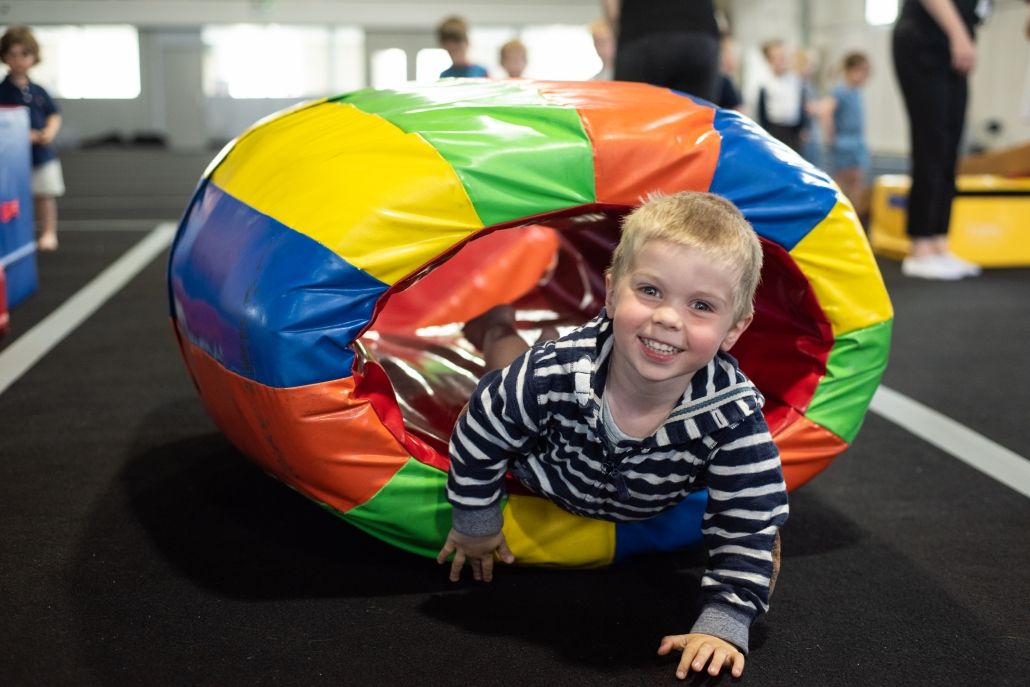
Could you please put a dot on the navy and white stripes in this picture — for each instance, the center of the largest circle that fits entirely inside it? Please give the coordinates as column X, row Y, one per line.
column 541, row 417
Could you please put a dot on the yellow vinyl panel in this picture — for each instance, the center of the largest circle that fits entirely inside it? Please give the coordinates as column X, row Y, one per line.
column 836, row 258
column 383, row 200
column 540, row 533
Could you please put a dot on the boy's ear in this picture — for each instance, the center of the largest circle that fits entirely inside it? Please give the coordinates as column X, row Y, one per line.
column 735, row 331
column 608, row 296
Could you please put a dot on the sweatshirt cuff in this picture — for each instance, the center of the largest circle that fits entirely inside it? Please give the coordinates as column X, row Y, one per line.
column 477, row 522
column 725, row 622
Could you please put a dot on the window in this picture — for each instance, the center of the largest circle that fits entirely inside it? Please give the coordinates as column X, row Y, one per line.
column 389, row 68
column 348, row 62
column 879, row 12
column 429, row 62
column 100, row 61
column 266, row 61
column 563, row 53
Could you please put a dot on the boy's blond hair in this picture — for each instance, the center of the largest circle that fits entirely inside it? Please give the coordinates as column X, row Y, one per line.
column 19, row 35
column 514, row 47
column 702, row 221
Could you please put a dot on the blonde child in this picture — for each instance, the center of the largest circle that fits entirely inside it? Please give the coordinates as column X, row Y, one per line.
column 781, row 99
column 624, row 416
column 20, row 52
column 513, row 58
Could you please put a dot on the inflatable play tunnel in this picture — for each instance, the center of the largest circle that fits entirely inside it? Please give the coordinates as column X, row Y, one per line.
column 322, row 271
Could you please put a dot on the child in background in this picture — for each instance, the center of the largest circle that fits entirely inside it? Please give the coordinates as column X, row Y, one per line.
column 629, row 413
column 781, row 103
column 844, row 131
column 513, row 58
column 452, row 34
column 20, row 52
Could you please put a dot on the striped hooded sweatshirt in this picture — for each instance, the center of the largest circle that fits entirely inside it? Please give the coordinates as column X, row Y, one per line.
column 542, row 417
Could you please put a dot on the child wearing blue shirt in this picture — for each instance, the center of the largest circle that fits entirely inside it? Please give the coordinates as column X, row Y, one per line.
column 844, row 126
column 452, row 34
column 20, row 52
column 629, row 413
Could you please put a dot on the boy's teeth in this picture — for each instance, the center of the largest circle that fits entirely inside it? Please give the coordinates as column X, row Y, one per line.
column 659, row 347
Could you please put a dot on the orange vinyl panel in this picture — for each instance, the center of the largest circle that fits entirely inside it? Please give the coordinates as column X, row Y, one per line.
column 318, row 438
column 643, row 142
column 805, row 450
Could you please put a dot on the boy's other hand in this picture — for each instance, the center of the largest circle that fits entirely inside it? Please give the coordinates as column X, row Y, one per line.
column 477, row 551
column 700, row 650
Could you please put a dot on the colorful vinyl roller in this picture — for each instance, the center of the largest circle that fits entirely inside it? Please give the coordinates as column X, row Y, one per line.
column 328, row 252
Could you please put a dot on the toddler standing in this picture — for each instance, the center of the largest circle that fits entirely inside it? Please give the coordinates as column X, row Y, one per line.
column 20, row 52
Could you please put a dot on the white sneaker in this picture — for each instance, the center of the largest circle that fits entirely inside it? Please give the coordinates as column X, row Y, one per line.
column 932, row 267
column 969, row 269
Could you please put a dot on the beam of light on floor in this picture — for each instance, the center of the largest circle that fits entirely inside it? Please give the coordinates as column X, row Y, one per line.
column 976, row 450
column 29, row 348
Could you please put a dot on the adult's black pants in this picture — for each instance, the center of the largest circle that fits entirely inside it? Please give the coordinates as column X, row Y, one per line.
column 687, row 61
column 935, row 96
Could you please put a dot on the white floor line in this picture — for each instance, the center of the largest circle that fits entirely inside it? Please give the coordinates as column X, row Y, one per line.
column 976, row 450
column 30, row 347
column 136, row 224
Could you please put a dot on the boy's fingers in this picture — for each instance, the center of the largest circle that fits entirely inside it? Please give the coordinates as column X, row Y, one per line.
column 488, row 567
column 505, row 553
column 683, row 669
column 718, row 661
column 670, row 642
column 738, row 665
column 456, row 565
column 704, row 652
column 446, row 551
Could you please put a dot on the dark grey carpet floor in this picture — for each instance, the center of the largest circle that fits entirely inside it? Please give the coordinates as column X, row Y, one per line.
column 137, row 547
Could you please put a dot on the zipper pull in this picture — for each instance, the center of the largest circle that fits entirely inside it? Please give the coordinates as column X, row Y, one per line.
column 620, row 484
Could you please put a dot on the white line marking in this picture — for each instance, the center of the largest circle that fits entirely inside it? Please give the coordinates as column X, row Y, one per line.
column 18, row 253
column 28, row 349
column 136, row 224
column 976, row 450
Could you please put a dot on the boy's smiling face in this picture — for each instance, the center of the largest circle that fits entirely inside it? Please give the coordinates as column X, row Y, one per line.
column 672, row 312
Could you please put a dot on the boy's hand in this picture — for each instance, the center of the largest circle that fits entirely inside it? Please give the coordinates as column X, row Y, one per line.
column 698, row 650
column 478, row 551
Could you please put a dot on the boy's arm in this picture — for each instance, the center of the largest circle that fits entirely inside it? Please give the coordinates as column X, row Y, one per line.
column 49, row 131
column 747, row 504
column 827, row 108
column 499, row 424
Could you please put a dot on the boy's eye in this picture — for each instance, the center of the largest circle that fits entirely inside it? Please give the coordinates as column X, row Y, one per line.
column 702, row 306
column 648, row 290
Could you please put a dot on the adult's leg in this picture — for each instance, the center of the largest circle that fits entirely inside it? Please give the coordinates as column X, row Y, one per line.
column 926, row 87
column 953, row 119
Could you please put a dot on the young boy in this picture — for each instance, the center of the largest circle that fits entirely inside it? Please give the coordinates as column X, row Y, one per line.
column 844, row 126
column 626, row 415
column 513, row 58
column 781, row 99
column 20, row 52
column 452, row 34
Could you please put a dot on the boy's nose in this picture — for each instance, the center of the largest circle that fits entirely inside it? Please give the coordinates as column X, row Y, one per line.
column 667, row 317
